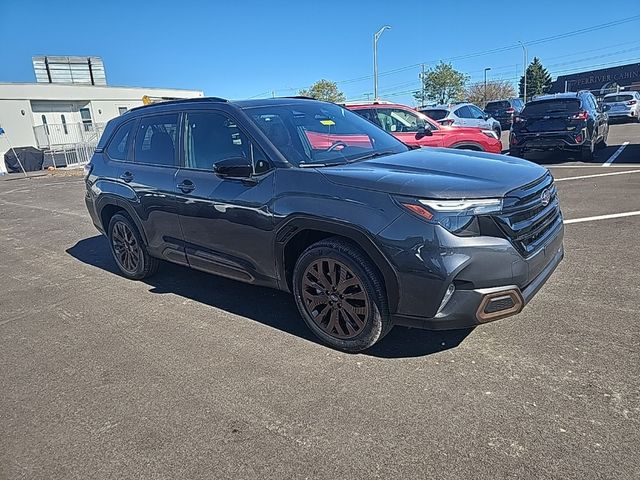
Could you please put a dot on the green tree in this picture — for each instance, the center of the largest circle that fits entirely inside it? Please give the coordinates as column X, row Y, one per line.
column 538, row 79
column 325, row 90
column 496, row 90
column 442, row 84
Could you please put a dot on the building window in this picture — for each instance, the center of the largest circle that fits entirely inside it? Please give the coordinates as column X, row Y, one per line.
column 85, row 114
column 64, row 124
column 44, row 122
column 121, row 110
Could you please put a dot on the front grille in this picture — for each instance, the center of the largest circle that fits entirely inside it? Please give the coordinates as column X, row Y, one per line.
column 525, row 220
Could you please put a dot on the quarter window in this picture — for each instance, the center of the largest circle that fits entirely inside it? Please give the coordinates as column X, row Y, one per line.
column 212, row 137
column 118, row 148
column 156, row 140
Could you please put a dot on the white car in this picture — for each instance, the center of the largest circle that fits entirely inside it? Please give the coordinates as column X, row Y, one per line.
column 622, row 105
column 462, row 115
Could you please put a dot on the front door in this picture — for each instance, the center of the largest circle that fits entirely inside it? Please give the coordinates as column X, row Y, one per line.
column 226, row 222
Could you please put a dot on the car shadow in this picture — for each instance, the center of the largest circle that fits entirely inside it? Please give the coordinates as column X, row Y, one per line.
column 270, row 307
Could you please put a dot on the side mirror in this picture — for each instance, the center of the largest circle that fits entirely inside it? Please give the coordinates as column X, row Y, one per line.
column 234, row 167
column 486, row 116
column 606, row 108
column 423, row 131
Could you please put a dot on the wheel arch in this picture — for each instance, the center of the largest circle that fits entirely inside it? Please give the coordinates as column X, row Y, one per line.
column 476, row 147
column 296, row 234
column 109, row 205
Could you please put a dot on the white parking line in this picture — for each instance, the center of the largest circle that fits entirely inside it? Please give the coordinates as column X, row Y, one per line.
column 615, row 155
column 595, row 175
column 602, row 217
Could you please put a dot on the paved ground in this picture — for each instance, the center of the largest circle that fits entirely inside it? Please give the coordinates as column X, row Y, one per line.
column 193, row 376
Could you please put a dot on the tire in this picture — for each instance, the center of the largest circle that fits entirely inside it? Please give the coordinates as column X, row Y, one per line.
column 128, row 249
column 602, row 144
column 350, row 311
column 587, row 153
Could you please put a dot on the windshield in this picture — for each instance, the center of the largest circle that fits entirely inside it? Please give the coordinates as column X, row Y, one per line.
column 435, row 113
column 322, row 133
column 618, row 98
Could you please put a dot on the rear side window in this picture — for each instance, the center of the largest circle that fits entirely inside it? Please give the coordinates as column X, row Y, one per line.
column 156, row 140
column 618, row 98
column 118, row 148
column 569, row 105
column 463, row 112
column 435, row 114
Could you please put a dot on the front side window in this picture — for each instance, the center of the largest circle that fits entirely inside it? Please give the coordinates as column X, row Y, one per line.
column 156, row 140
column 311, row 132
column 118, row 148
column 476, row 112
column 396, row 120
column 212, row 137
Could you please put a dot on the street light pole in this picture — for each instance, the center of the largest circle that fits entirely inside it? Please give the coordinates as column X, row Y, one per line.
column 525, row 61
column 485, row 85
column 376, row 36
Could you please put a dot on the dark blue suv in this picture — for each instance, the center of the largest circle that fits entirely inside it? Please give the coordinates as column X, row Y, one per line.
column 308, row 197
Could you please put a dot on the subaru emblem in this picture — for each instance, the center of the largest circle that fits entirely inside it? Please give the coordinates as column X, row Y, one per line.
column 545, row 197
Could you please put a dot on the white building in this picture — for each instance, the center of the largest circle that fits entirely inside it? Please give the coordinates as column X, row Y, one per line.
column 67, row 119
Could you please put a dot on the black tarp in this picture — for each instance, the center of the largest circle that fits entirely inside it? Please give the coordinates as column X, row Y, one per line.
column 30, row 157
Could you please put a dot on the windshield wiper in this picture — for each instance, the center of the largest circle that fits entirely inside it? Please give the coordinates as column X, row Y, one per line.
column 314, row 165
column 368, row 156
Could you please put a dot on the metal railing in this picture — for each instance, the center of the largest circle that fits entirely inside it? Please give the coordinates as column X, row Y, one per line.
column 69, row 155
column 65, row 134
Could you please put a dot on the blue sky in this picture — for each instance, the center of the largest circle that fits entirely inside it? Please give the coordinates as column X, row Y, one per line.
column 249, row 48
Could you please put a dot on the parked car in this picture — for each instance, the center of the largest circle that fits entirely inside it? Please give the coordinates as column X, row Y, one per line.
column 462, row 115
column 504, row 111
column 570, row 122
column 416, row 129
column 365, row 232
column 622, row 105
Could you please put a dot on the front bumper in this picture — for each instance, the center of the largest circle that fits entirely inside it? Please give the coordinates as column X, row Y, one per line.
column 492, row 281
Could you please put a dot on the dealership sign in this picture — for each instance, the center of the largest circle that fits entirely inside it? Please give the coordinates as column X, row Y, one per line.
column 605, row 78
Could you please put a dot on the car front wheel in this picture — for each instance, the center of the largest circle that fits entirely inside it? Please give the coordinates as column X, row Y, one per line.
column 340, row 295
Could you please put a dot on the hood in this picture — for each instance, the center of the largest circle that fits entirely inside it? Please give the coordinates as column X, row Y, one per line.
column 438, row 173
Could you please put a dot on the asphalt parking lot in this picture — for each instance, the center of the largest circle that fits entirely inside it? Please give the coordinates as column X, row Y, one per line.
column 188, row 375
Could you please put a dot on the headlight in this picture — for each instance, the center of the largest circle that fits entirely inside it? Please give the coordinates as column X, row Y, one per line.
column 457, row 216
column 480, row 206
column 490, row 133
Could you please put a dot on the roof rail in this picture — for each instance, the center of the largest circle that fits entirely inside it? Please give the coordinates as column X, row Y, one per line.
column 367, row 102
column 301, row 97
column 182, row 100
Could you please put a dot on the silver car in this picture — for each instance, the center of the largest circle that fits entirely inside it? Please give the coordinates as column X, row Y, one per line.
column 462, row 115
column 622, row 105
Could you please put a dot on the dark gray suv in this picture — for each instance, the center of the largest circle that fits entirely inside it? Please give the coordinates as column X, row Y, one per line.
column 308, row 197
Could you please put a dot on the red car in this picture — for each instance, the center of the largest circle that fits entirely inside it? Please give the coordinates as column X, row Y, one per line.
column 416, row 129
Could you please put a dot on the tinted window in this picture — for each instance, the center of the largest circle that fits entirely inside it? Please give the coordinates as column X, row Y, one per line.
column 543, row 107
column 476, row 112
column 618, row 98
column 369, row 114
column 395, row 120
column 497, row 105
column 436, row 114
column 118, row 148
column 211, row 137
column 156, row 140
column 463, row 112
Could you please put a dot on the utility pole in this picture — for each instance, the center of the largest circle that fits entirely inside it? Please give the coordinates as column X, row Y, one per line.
column 424, row 93
column 525, row 61
column 485, row 85
column 376, row 36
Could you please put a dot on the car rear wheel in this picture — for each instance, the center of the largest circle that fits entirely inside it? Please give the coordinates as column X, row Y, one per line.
column 340, row 295
column 129, row 250
column 587, row 153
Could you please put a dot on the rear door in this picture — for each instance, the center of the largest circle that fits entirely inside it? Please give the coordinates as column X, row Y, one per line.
column 151, row 176
column 226, row 222
column 553, row 115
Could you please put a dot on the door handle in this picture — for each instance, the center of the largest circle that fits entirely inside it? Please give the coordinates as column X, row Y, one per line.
column 186, row 186
column 126, row 176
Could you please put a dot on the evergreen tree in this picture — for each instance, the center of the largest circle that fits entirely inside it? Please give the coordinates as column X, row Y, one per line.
column 538, row 79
